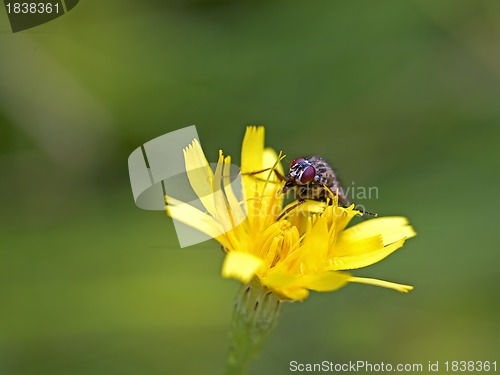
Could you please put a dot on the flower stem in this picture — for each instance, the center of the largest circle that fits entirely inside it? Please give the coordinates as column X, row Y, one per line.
column 255, row 313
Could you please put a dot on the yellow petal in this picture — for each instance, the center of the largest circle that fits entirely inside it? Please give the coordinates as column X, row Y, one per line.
column 252, row 149
column 368, row 252
column 252, row 154
column 286, row 286
column 235, row 207
column 261, row 242
column 241, row 266
column 219, row 199
column 292, row 294
column 299, row 213
column 342, row 217
column 357, row 246
column 269, row 185
column 262, row 202
column 392, row 229
column 369, row 242
column 295, row 287
column 273, row 251
column 307, row 207
column 315, row 247
column 200, row 175
column 326, row 281
column 270, row 158
column 385, row 284
column 189, row 215
column 280, row 280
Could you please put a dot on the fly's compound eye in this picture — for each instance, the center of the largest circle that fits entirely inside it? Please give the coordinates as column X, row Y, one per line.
column 308, row 175
column 295, row 161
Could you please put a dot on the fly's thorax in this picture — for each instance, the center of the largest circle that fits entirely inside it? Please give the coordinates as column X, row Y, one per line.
column 325, row 175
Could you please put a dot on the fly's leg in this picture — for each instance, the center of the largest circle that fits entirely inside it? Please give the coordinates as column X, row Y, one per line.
column 273, row 168
column 284, row 213
column 278, row 174
column 368, row 213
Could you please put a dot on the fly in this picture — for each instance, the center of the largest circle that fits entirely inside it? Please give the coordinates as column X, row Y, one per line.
column 313, row 178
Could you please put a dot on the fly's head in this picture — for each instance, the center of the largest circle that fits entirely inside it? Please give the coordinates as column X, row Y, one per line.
column 301, row 173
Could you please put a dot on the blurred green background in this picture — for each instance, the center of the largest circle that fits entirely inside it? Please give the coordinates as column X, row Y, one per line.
column 404, row 96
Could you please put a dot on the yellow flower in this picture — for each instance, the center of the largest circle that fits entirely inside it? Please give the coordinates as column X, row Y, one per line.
column 290, row 255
